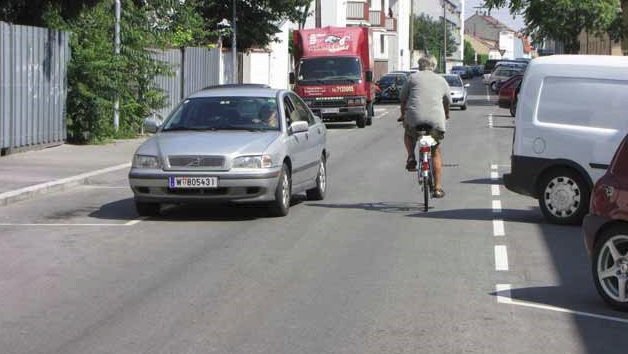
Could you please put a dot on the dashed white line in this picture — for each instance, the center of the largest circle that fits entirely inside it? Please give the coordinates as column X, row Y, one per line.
column 497, row 206
column 498, row 228
column 494, row 167
column 490, row 120
column 501, row 258
column 494, row 175
column 495, row 190
column 63, row 225
column 133, row 222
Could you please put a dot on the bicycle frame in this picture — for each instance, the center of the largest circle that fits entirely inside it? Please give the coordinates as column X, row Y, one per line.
column 425, row 170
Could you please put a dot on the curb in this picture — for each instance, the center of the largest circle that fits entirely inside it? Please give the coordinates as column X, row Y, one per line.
column 21, row 194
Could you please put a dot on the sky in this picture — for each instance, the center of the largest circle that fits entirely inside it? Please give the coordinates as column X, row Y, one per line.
column 501, row 14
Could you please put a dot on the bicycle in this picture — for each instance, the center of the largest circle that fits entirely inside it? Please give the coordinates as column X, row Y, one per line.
column 425, row 169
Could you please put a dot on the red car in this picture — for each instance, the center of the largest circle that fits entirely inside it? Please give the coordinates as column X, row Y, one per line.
column 507, row 92
column 606, row 231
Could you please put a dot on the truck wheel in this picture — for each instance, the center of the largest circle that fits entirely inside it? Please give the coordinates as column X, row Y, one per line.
column 370, row 113
column 563, row 196
column 360, row 121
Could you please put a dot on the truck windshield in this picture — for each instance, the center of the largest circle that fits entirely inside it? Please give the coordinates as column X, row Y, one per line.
column 330, row 69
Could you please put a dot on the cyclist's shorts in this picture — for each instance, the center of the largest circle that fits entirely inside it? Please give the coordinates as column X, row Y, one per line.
column 412, row 132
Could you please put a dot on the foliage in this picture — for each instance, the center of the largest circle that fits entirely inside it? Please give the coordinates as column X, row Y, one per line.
column 564, row 20
column 482, row 58
column 429, row 36
column 178, row 24
column 97, row 76
column 469, row 53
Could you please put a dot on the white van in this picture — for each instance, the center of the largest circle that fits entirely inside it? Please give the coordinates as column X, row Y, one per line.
column 571, row 115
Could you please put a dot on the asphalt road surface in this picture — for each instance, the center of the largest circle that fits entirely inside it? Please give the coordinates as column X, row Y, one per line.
column 364, row 271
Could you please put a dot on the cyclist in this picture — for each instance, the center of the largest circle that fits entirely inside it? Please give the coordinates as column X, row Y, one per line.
column 425, row 100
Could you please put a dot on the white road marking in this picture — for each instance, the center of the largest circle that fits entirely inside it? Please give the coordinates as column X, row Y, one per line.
column 133, row 222
column 64, row 225
column 490, row 120
column 501, row 258
column 503, row 293
column 494, row 167
column 495, row 189
column 97, row 186
column 494, row 175
column 498, row 228
column 497, row 206
column 488, row 94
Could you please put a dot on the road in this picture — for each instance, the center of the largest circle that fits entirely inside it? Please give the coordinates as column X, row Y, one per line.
column 364, row 271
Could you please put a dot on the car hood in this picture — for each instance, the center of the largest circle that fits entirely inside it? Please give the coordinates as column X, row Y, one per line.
column 457, row 90
column 208, row 143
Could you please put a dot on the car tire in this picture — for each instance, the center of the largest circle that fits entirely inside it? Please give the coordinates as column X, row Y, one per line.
column 318, row 192
column 360, row 121
column 283, row 193
column 563, row 196
column 147, row 209
column 464, row 107
column 609, row 270
column 494, row 86
column 513, row 108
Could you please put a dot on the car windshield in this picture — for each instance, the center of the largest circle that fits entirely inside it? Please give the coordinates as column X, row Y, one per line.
column 225, row 113
column 453, row 81
column 391, row 79
column 330, row 69
column 459, row 68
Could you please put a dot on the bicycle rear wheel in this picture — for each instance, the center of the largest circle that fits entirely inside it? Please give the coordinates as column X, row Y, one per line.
column 426, row 193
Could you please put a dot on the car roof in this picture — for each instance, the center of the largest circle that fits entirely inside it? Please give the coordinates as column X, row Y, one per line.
column 585, row 60
column 242, row 90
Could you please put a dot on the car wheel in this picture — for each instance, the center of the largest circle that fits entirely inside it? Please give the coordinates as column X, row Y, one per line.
column 464, row 107
column 283, row 193
column 610, row 266
column 147, row 209
column 513, row 108
column 494, row 86
column 563, row 196
column 318, row 192
column 360, row 121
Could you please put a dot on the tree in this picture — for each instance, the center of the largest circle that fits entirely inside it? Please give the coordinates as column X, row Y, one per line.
column 469, row 53
column 564, row 20
column 257, row 21
column 429, row 36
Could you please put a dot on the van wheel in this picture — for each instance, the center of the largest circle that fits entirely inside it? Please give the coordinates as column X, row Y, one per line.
column 610, row 266
column 283, row 193
column 564, row 196
column 360, row 121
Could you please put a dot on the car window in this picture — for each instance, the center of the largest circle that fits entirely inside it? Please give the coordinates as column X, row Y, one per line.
column 224, row 113
column 301, row 112
column 583, row 102
column 453, row 81
column 289, row 111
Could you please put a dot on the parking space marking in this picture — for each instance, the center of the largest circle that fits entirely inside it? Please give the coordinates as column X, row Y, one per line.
column 495, row 190
column 133, row 222
column 498, row 228
column 494, row 175
column 497, row 206
column 62, row 225
column 501, row 258
column 503, row 293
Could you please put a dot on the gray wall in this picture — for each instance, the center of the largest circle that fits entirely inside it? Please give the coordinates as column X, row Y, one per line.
column 33, row 68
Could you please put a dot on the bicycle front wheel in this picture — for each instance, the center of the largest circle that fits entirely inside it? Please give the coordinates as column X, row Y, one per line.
column 426, row 193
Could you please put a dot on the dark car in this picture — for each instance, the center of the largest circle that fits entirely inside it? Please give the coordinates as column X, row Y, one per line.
column 389, row 86
column 606, row 231
column 506, row 92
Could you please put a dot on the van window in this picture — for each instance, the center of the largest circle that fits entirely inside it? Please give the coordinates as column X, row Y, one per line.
column 583, row 102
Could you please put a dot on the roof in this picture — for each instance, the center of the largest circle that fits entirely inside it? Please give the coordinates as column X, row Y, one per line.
column 583, row 60
column 481, row 46
column 243, row 90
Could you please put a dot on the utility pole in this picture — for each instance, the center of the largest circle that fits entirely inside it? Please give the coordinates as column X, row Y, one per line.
column 234, row 45
column 318, row 14
column 411, row 30
column 444, row 36
column 116, row 103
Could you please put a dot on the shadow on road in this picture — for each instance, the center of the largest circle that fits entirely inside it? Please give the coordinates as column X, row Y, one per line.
column 482, row 181
column 479, row 102
column 123, row 209
column 384, row 207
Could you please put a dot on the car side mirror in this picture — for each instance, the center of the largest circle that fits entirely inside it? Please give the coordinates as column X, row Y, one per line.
column 299, row 127
column 467, row 85
column 369, row 76
column 292, row 80
column 152, row 124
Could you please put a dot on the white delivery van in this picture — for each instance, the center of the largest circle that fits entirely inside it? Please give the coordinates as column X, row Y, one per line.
column 571, row 115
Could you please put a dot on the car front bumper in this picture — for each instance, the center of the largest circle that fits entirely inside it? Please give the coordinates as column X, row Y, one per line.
column 458, row 101
column 344, row 114
column 152, row 186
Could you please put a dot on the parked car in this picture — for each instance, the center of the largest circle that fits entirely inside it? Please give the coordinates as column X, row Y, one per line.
column 506, row 90
column 570, row 118
column 389, row 86
column 492, row 64
column 458, row 91
column 606, row 231
column 463, row 71
column 502, row 74
column 239, row 144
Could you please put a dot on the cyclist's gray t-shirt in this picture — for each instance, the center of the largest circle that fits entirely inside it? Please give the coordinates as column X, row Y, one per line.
column 424, row 94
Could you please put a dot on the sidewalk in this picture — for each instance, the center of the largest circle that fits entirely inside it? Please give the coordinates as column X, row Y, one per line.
column 23, row 175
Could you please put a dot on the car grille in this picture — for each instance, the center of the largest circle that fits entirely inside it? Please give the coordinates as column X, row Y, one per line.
column 328, row 103
column 196, row 161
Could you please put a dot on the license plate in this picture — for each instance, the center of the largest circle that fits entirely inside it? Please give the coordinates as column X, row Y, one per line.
column 330, row 110
column 193, row 182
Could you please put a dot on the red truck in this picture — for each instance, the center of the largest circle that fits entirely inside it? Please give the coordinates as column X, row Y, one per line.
column 334, row 73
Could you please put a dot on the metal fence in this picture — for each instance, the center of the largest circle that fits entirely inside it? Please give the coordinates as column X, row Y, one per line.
column 192, row 69
column 33, row 82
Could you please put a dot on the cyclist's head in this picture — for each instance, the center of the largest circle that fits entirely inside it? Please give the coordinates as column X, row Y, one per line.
column 427, row 62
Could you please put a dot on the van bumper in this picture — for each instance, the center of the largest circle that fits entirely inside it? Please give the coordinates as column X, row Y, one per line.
column 524, row 172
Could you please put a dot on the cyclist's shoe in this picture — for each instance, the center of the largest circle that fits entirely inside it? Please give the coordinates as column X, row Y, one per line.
column 438, row 193
column 411, row 165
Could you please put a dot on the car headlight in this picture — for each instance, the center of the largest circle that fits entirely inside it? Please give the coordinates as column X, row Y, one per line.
column 146, row 161
column 260, row 161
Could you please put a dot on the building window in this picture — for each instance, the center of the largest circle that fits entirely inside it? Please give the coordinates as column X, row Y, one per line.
column 382, row 43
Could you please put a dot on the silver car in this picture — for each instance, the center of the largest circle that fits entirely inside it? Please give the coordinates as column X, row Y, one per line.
column 236, row 143
column 458, row 91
